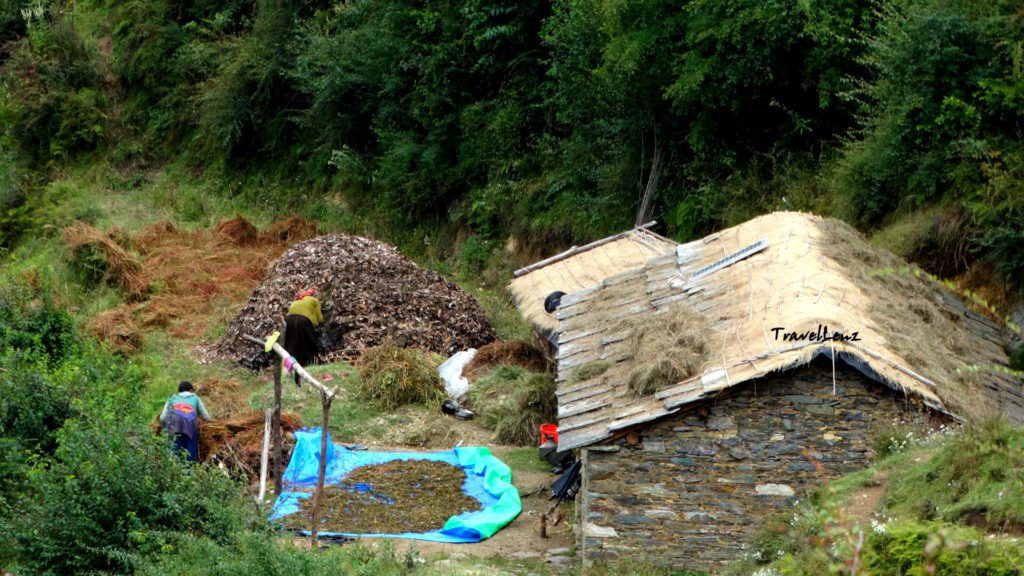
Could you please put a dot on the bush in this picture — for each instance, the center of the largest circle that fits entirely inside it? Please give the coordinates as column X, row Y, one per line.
column 30, row 321
column 114, row 494
column 260, row 554
column 32, row 407
column 513, row 403
column 52, row 99
column 912, row 549
column 390, row 377
column 973, row 478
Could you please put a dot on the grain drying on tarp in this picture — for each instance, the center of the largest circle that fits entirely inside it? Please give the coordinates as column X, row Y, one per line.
column 390, row 498
column 370, row 295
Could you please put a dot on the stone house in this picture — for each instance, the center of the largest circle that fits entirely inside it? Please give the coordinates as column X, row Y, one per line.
column 812, row 336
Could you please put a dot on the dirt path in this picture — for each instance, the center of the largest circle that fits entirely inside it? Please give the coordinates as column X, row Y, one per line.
column 862, row 503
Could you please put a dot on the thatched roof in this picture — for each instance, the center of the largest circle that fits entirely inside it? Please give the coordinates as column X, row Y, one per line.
column 582, row 267
column 783, row 270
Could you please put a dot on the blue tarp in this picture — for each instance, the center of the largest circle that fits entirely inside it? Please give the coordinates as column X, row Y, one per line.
column 488, row 479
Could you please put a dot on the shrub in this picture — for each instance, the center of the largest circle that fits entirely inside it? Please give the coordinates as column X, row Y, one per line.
column 113, row 494
column 260, row 554
column 30, row 321
column 391, row 377
column 513, row 403
column 973, row 478
column 32, row 407
column 52, row 99
column 912, row 549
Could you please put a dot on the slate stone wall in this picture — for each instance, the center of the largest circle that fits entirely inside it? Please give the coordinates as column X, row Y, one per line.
column 698, row 485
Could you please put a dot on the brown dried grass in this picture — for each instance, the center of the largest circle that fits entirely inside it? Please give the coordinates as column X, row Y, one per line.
column 504, row 352
column 121, row 268
column 291, row 230
column 199, row 272
column 117, row 329
column 222, row 396
column 668, row 348
column 236, row 443
column 239, row 230
column 923, row 330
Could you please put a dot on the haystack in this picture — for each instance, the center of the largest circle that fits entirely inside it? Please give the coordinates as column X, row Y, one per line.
column 513, row 403
column 370, row 295
column 239, row 230
column 105, row 259
column 291, row 230
column 666, row 349
column 237, row 443
column 390, row 377
column 117, row 329
column 507, row 352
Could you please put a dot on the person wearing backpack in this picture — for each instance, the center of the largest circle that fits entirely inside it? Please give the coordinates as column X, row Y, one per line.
column 180, row 419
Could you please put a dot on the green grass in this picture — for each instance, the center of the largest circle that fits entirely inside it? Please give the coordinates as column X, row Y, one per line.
column 514, row 402
column 524, row 460
column 946, row 501
column 907, row 232
column 976, row 475
column 350, row 419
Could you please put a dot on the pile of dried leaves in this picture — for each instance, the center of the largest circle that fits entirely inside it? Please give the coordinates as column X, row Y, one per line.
column 370, row 295
column 391, row 498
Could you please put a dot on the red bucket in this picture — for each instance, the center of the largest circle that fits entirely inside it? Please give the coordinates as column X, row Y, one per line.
column 548, row 432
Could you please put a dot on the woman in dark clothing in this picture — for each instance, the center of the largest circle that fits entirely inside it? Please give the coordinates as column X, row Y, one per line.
column 300, row 339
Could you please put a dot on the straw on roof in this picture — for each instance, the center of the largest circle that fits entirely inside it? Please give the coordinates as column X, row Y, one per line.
column 789, row 271
column 582, row 267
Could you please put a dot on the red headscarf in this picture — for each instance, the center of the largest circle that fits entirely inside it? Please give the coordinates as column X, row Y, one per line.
column 304, row 293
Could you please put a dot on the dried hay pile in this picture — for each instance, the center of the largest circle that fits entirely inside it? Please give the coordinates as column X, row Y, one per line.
column 239, row 230
column 923, row 329
column 390, row 498
column 291, row 230
column 236, row 443
column 117, row 329
column 589, row 370
column 667, row 348
column 100, row 257
column 509, row 352
column 370, row 295
column 390, row 377
column 202, row 273
column 513, row 403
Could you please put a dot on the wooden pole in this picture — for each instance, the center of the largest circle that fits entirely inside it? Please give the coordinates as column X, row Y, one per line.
column 579, row 250
column 318, row 494
column 295, row 366
column 264, row 454
column 276, row 424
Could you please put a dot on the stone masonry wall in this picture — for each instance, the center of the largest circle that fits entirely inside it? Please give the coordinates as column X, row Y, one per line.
column 699, row 484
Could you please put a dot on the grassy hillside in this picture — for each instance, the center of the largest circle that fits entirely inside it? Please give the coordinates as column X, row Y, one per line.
column 475, row 136
column 949, row 503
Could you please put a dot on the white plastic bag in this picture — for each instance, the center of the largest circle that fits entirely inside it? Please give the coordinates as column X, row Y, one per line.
column 451, row 372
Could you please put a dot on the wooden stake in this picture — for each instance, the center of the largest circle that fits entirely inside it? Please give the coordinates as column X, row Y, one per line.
column 318, row 494
column 276, row 424
column 264, row 454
